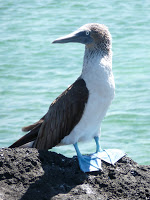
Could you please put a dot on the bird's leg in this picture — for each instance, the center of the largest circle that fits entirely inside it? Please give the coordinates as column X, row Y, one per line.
column 77, row 150
column 98, row 148
column 88, row 163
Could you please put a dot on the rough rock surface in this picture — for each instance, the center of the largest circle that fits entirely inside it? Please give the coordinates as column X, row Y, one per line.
column 30, row 174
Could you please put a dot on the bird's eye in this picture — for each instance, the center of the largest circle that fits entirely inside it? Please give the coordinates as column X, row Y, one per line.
column 87, row 32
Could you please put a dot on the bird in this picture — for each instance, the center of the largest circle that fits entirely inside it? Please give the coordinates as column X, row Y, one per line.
column 76, row 114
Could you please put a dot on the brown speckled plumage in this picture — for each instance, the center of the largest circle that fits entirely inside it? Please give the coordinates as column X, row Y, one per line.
column 101, row 37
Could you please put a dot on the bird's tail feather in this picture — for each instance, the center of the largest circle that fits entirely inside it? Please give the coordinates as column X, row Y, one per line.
column 30, row 127
column 29, row 137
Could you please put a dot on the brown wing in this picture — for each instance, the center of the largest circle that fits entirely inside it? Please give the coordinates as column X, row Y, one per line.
column 64, row 113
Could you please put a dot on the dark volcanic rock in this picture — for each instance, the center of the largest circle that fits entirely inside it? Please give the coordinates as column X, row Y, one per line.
column 27, row 174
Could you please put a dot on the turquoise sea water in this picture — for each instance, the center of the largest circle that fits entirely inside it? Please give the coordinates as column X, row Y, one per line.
column 33, row 72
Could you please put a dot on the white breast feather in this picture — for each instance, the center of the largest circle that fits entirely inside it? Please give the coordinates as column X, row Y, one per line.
column 97, row 73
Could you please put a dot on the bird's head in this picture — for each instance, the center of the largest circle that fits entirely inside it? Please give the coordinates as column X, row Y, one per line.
column 93, row 35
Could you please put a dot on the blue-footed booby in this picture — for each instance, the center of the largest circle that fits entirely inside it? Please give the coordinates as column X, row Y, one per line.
column 76, row 114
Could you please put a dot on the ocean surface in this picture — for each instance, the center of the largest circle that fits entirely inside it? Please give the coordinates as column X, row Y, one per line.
column 33, row 72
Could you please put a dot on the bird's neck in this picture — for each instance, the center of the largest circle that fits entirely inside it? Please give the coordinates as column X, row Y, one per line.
column 96, row 60
column 97, row 73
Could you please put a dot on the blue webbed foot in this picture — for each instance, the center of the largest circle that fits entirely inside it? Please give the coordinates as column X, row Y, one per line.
column 111, row 155
column 92, row 162
column 89, row 163
column 108, row 155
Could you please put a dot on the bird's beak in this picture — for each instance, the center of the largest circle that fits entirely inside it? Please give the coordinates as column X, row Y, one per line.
column 78, row 36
